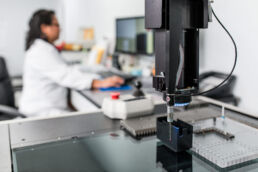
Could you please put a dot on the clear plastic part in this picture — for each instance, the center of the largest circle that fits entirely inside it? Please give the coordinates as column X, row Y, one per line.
column 222, row 152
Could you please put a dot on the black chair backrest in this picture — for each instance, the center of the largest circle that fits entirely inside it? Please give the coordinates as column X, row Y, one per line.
column 6, row 90
column 223, row 91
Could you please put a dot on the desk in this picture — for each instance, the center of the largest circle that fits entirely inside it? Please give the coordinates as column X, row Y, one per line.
column 82, row 98
column 93, row 142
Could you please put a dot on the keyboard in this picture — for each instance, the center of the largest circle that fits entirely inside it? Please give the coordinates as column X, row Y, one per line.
column 127, row 77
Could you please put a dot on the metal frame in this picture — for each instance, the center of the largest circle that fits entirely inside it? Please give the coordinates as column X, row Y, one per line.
column 5, row 150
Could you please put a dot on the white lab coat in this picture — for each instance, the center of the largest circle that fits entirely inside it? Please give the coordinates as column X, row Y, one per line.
column 45, row 81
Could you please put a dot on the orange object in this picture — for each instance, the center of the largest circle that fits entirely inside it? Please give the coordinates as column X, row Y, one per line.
column 154, row 71
column 88, row 34
column 68, row 47
column 72, row 47
column 99, row 55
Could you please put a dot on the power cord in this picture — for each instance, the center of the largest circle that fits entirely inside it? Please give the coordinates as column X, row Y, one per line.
column 236, row 57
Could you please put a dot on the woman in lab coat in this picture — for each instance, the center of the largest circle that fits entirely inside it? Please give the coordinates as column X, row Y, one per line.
column 46, row 75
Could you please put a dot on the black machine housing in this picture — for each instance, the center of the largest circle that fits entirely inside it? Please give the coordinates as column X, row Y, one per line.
column 178, row 136
column 176, row 24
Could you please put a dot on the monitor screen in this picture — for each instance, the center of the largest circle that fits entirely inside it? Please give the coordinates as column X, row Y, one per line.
column 132, row 37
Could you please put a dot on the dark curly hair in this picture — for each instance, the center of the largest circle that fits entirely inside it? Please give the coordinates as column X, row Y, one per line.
column 38, row 18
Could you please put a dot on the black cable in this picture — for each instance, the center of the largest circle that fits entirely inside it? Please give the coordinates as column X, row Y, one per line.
column 234, row 66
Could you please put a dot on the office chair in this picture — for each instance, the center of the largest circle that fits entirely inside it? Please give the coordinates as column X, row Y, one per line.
column 7, row 103
column 223, row 93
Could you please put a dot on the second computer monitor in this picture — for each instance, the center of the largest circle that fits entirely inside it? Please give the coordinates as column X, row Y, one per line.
column 132, row 37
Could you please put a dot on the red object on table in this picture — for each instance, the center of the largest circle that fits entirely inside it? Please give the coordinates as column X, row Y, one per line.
column 115, row 96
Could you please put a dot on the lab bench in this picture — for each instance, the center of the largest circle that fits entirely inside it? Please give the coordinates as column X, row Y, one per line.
column 91, row 141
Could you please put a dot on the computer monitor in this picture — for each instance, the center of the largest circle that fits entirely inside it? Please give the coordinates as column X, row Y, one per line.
column 132, row 37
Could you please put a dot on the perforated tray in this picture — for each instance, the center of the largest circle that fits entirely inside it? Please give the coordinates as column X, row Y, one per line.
column 226, row 152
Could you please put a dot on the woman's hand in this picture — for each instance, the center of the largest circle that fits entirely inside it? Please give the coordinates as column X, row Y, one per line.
column 113, row 81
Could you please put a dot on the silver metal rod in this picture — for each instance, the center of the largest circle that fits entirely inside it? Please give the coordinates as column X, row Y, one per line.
column 170, row 114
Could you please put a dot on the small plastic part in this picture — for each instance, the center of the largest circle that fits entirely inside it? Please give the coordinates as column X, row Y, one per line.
column 138, row 92
column 177, row 136
column 115, row 96
column 127, row 106
column 121, row 88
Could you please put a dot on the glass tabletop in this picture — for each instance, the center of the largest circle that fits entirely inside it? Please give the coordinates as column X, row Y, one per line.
column 112, row 152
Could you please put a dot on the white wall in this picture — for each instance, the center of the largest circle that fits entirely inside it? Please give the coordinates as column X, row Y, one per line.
column 99, row 14
column 217, row 52
column 14, row 17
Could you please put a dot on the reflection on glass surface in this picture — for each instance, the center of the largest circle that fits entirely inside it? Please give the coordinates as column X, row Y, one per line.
column 109, row 152
column 172, row 161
